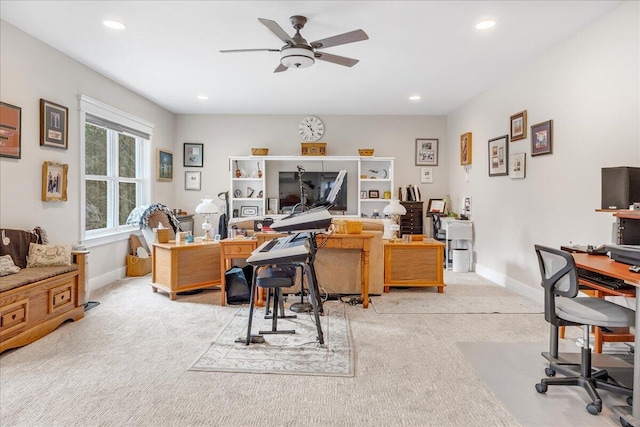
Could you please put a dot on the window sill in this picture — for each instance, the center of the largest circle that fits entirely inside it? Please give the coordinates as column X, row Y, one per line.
column 105, row 238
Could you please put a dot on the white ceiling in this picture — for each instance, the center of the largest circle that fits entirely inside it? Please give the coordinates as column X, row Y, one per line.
column 169, row 52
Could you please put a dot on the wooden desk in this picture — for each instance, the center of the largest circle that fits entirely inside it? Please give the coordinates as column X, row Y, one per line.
column 185, row 267
column 232, row 249
column 417, row 263
column 609, row 267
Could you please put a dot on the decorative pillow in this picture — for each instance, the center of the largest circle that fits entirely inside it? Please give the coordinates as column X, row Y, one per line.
column 16, row 243
column 48, row 255
column 7, row 266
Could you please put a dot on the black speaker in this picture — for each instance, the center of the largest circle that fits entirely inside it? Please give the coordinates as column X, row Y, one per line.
column 620, row 187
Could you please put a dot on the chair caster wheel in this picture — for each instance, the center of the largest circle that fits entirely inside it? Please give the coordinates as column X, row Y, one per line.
column 541, row 388
column 624, row 423
column 594, row 409
column 549, row 372
column 629, row 401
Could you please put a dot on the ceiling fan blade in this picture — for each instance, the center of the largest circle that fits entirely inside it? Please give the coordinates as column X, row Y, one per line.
column 280, row 68
column 249, row 50
column 277, row 30
column 337, row 59
column 350, row 37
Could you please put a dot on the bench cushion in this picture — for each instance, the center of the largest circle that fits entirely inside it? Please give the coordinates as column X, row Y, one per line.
column 32, row 275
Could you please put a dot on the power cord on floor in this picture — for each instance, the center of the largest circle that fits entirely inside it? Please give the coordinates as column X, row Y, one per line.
column 351, row 301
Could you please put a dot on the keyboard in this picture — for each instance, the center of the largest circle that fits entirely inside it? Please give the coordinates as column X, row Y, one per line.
column 283, row 250
column 602, row 279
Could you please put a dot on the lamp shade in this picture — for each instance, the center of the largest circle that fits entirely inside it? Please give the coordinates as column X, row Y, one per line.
column 394, row 208
column 207, row 207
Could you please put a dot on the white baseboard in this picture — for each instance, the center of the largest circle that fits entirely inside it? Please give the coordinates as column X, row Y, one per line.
column 96, row 283
column 536, row 294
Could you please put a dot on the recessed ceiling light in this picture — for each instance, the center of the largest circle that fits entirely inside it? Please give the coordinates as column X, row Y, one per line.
column 202, row 97
column 414, row 97
column 114, row 25
column 487, row 24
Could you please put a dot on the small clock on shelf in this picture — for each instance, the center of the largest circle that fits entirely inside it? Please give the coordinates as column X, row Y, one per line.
column 311, row 129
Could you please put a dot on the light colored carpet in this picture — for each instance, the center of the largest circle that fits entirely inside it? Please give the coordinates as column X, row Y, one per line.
column 292, row 354
column 481, row 297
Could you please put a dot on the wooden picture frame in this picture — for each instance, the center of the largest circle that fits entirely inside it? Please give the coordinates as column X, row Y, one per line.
column 499, row 156
column 192, row 180
column 518, row 166
column 164, row 165
column 518, row 126
column 465, row 149
column 193, row 155
column 542, row 138
column 436, row 206
column 54, row 125
column 54, row 182
column 426, row 152
column 374, row 194
column 10, row 131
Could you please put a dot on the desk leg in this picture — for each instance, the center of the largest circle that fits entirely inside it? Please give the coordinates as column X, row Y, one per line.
column 631, row 415
column 364, row 277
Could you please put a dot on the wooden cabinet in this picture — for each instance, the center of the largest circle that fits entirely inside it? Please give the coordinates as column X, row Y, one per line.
column 412, row 222
column 418, row 263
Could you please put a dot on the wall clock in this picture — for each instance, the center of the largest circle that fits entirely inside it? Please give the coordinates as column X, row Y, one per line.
column 311, row 129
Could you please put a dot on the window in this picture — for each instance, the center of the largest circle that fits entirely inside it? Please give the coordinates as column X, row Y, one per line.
column 116, row 179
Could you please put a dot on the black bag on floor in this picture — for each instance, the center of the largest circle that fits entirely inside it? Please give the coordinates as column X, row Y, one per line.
column 238, row 289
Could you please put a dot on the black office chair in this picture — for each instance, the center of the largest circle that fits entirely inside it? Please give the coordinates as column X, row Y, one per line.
column 562, row 307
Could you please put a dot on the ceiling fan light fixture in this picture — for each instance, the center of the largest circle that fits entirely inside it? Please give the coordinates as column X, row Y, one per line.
column 297, row 57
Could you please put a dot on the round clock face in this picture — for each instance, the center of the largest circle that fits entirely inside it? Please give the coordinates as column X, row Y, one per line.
column 311, row 129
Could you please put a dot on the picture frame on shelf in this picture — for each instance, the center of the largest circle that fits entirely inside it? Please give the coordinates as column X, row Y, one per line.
column 426, row 175
column 363, row 194
column 517, row 166
column 518, row 126
column 193, row 155
column 465, row 149
column 54, row 125
column 54, row 182
column 436, row 206
column 10, row 131
column 499, row 156
column 192, row 180
column 426, row 152
column 374, row 194
column 272, row 205
column 542, row 138
column 164, row 165
column 248, row 211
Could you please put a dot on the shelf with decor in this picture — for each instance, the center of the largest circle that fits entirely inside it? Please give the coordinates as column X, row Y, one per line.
column 247, row 186
column 375, row 184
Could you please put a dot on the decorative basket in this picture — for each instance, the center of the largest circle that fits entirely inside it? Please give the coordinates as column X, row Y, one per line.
column 259, row 151
column 365, row 152
column 354, row 227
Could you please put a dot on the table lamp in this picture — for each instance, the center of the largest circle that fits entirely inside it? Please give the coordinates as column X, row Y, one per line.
column 207, row 209
column 394, row 209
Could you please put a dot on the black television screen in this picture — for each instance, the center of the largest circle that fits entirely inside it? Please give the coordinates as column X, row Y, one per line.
column 317, row 186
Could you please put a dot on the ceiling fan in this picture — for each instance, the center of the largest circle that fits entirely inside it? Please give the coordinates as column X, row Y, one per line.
column 297, row 53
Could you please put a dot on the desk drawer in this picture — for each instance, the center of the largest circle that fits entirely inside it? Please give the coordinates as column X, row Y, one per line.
column 238, row 249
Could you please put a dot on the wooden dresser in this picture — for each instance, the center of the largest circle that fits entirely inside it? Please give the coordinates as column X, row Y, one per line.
column 412, row 221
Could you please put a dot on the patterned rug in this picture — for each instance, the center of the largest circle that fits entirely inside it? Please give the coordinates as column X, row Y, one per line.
column 456, row 299
column 290, row 354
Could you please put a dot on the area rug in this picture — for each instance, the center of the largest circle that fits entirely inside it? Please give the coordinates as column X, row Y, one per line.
column 290, row 354
column 456, row 299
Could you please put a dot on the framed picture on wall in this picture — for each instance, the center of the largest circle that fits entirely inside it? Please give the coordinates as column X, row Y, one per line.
column 518, row 125
column 426, row 152
column 426, row 175
column 164, row 165
column 517, row 166
column 54, row 124
column 54, row 182
column 465, row 149
column 193, row 155
column 542, row 138
column 10, row 132
column 192, row 180
column 498, row 156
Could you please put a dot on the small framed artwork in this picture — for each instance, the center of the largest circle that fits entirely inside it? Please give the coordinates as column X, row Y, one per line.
column 193, row 155
column 246, row 211
column 519, row 126
column 436, row 206
column 216, row 238
column 272, row 205
column 374, row 194
column 465, row 149
column 498, row 156
column 426, row 152
column 54, row 182
column 164, row 165
column 426, row 175
column 517, row 163
column 10, row 132
column 363, row 194
column 542, row 138
column 54, row 124
column 192, row 180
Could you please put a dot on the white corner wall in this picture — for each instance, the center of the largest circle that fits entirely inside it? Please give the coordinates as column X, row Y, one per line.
column 589, row 86
column 30, row 70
